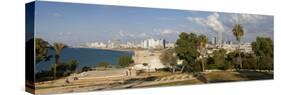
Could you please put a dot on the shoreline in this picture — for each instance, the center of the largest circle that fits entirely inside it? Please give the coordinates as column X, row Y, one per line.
column 110, row 49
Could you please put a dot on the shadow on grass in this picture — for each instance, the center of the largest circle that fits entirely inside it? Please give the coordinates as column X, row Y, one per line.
column 254, row 75
column 201, row 77
column 226, row 76
column 136, row 82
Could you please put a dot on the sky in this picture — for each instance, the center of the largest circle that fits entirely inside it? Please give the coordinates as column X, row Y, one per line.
column 77, row 24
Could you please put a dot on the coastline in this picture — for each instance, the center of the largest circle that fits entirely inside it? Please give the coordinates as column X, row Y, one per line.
column 110, row 49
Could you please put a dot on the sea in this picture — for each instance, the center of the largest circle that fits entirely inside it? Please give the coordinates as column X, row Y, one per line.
column 89, row 57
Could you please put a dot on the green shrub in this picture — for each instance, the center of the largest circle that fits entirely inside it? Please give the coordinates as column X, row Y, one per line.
column 103, row 64
column 125, row 61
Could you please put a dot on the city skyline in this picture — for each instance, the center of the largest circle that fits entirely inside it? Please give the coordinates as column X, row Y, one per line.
column 90, row 22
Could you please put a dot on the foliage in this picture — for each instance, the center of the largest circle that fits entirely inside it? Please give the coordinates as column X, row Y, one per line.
column 263, row 49
column 41, row 50
column 85, row 69
column 196, row 67
column 219, row 56
column 57, row 47
column 72, row 65
column 219, row 60
column 103, row 64
column 125, row 61
column 64, row 69
column 263, row 46
column 186, row 48
column 202, row 41
column 169, row 58
column 238, row 31
column 249, row 61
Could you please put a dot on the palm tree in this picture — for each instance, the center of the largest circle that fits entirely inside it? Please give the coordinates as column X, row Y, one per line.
column 238, row 32
column 57, row 47
column 202, row 41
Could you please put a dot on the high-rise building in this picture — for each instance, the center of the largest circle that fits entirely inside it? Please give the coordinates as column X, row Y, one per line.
column 214, row 41
column 153, row 43
column 219, row 41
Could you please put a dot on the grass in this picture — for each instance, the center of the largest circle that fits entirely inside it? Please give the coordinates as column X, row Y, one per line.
column 221, row 76
column 186, row 82
column 211, row 77
column 227, row 76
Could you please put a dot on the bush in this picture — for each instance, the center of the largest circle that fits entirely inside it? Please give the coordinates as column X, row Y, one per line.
column 265, row 63
column 44, row 76
column 65, row 69
column 220, row 60
column 125, row 61
column 263, row 49
column 103, row 64
column 249, row 61
column 72, row 65
column 85, row 69
column 195, row 67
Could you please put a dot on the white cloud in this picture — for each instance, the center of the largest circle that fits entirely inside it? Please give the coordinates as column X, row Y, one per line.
column 125, row 34
column 212, row 21
column 246, row 18
column 168, row 31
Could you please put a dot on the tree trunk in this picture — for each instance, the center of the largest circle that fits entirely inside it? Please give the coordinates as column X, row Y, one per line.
column 174, row 69
column 239, row 54
column 55, row 68
column 55, row 71
column 148, row 71
column 202, row 65
column 182, row 68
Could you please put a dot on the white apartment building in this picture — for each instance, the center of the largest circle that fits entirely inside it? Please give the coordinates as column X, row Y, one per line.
column 96, row 45
column 153, row 43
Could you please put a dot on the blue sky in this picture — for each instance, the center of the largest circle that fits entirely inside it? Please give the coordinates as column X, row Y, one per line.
column 77, row 24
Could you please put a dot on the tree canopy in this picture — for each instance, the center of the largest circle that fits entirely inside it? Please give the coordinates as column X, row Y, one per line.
column 186, row 47
column 41, row 50
column 263, row 49
column 238, row 31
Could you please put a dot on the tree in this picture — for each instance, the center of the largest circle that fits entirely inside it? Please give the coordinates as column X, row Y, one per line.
column 72, row 65
column 57, row 47
column 169, row 58
column 41, row 50
column 60, row 69
column 186, row 48
column 238, row 32
column 64, row 68
column 249, row 61
column 219, row 59
column 125, row 61
column 201, row 42
column 231, row 58
column 103, row 64
column 263, row 49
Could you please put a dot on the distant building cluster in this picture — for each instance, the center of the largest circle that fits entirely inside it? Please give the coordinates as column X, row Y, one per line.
column 162, row 43
column 153, row 43
column 230, row 47
column 144, row 44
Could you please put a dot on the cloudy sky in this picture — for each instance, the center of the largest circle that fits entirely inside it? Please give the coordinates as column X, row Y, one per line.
column 76, row 24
